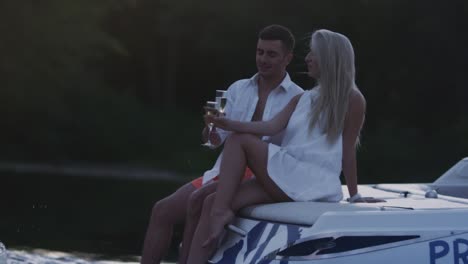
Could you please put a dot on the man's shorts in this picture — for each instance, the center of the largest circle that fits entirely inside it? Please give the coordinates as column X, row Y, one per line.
column 197, row 183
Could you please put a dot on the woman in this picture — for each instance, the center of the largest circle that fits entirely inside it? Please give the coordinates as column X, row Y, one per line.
column 322, row 130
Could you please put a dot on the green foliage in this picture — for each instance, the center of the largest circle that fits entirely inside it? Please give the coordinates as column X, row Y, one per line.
column 57, row 103
column 100, row 80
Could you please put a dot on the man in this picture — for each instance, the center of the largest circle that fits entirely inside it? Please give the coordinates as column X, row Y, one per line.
column 258, row 98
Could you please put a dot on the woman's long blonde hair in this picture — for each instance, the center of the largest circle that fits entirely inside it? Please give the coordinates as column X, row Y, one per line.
column 335, row 58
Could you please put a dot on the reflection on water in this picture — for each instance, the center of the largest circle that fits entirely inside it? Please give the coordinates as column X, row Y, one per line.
column 40, row 256
column 101, row 215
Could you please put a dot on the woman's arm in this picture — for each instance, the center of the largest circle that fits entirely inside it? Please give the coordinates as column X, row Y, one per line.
column 352, row 127
column 263, row 128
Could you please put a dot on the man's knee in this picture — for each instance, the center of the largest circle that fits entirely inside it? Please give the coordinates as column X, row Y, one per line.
column 162, row 210
column 195, row 203
column 208, row 202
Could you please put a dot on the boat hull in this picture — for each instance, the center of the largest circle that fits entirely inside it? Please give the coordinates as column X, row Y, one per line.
column 381, row 236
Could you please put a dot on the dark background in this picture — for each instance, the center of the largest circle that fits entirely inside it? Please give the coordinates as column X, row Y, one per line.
column 112, row 83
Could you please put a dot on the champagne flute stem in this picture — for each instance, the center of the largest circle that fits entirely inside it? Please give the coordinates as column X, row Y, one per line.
column 210, row 127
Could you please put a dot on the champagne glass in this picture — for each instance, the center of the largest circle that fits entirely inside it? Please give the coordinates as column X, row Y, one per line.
column 210, row 109
column 221, row 100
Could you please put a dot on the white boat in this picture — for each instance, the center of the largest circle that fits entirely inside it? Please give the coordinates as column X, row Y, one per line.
column 417, row 223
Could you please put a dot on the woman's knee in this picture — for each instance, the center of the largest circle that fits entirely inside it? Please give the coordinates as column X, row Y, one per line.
column 240, row 138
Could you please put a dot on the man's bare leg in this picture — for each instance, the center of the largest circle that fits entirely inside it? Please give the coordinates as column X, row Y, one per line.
column 164, row 215
column 194, row 209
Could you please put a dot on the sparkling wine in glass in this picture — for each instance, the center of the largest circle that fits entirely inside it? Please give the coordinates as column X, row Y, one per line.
column 210, row 109
column 222, row 104
column 221, row 100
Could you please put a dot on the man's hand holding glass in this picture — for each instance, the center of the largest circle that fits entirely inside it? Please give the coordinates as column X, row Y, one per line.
column 214, row 108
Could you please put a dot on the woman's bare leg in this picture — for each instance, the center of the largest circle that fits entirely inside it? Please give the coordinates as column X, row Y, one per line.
column 164, row 215
column 194, row 209
column 240, row 150
column 250, row 192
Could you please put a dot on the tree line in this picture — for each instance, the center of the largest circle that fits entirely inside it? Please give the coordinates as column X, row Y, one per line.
column 124, row 81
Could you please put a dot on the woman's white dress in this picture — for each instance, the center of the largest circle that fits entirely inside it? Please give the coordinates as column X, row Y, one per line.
column 306, row 166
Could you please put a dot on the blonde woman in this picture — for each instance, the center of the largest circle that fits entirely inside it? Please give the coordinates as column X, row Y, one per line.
column 322, row 129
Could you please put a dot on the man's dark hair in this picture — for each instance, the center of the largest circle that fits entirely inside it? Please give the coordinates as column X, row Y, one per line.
column 278, row 32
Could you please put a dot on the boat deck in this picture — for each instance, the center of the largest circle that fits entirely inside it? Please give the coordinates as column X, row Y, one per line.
column 397, row 197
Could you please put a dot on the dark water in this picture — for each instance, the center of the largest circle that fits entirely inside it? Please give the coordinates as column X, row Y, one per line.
column 102, row 215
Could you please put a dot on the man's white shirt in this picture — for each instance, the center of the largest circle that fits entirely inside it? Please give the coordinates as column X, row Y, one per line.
column 242, row 98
